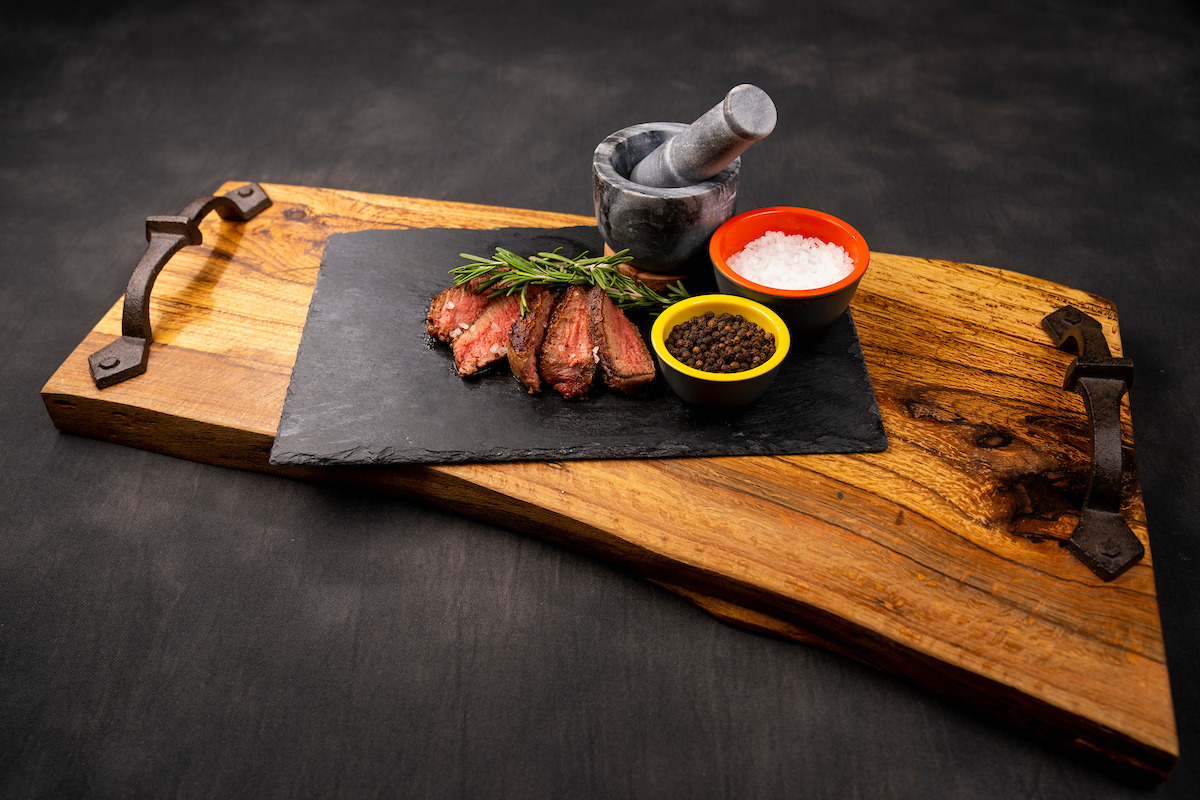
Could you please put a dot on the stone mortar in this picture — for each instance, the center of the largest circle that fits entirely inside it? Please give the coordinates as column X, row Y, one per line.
column 664, row 229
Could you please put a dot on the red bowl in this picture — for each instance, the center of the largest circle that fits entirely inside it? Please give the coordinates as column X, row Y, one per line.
column 802, row 309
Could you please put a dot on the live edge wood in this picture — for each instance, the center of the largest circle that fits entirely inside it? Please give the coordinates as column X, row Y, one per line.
column 938, row 559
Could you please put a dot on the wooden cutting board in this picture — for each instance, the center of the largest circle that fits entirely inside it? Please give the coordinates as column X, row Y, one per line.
column 938, row 559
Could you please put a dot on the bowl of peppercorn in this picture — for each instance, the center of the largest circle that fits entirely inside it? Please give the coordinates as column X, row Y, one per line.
column 803, row 264
column 719, row 349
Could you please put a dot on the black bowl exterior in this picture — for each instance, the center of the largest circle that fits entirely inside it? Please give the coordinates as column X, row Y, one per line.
column 719, row 394
column 802, row 314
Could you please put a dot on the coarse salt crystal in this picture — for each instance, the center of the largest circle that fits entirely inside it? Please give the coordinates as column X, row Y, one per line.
column 781, row 261
column 495, row 328
column 449, row 304
column 596, row 353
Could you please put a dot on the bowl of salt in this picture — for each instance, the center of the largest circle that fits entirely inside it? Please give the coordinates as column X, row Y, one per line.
column 804, row 265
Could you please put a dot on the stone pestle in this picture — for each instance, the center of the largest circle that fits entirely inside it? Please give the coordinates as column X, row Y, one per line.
column 705, row 147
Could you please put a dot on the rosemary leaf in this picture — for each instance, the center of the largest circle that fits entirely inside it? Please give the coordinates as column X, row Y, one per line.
column 508, row 272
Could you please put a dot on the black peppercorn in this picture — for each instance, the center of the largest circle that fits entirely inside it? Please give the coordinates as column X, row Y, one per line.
column 724, row 343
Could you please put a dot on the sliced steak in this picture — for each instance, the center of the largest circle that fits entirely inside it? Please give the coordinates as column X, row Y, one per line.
column 487, row 338
column 476, row 284
column 453, row 311
column 526, row 337
column 567, row 361
column 624, row 358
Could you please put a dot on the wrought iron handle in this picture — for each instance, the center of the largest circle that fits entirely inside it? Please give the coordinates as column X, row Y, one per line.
column 126, row 357
column 1102, row 539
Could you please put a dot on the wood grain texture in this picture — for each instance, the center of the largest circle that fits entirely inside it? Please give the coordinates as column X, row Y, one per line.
column 938, row 559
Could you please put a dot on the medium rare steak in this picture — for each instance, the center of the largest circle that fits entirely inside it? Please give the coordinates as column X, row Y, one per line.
column 526, row 337
column 624, row 358
column 486, row 340
column 453, row 311
column 567, row 361
column 497, row 284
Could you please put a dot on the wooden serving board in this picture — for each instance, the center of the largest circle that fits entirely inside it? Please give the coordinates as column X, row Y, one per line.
column 938, row 559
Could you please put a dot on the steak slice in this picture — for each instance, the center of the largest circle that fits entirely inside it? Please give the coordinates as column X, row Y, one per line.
column 526, row 337
column 487, row 338
column 452, row 311
column 624, row 358
column 476, row 284
column 567, row 361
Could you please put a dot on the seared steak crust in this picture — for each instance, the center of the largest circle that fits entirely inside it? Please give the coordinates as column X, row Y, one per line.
column 562, row 339
column 526, row 337
column 567, row 361
column 487, row 338
column 624, row 358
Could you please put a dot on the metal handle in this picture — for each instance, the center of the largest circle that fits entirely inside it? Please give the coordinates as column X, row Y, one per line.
column 126, row 357
column 1102, row 539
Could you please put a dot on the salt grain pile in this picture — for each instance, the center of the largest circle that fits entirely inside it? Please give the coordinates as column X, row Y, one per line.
column 781, row 261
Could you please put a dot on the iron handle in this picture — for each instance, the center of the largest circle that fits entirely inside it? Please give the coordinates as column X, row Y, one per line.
column 1102, row 539
column 126, row 357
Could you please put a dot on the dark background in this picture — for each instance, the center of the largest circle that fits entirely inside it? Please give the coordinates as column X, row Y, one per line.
column 170, row 629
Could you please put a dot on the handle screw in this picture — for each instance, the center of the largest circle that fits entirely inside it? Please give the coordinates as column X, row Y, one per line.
column 109, row 362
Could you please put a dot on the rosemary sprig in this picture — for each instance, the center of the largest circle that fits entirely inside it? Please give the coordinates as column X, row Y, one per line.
column 509, row 272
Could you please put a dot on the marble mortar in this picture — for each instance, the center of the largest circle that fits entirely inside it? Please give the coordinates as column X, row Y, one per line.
column 666, row 230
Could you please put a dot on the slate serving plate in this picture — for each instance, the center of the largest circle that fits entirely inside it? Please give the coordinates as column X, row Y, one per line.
column 370, row 386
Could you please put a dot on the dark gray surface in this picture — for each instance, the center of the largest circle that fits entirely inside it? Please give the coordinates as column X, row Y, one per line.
column 370, row 388
column 173, row 629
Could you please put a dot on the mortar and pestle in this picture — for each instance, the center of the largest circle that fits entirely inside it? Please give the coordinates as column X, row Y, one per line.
column 662, row 188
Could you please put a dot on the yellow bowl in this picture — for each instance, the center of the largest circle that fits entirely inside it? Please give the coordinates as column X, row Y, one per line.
column 726, row 389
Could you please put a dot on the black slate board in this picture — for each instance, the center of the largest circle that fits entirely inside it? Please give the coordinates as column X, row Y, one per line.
column 370, row 387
